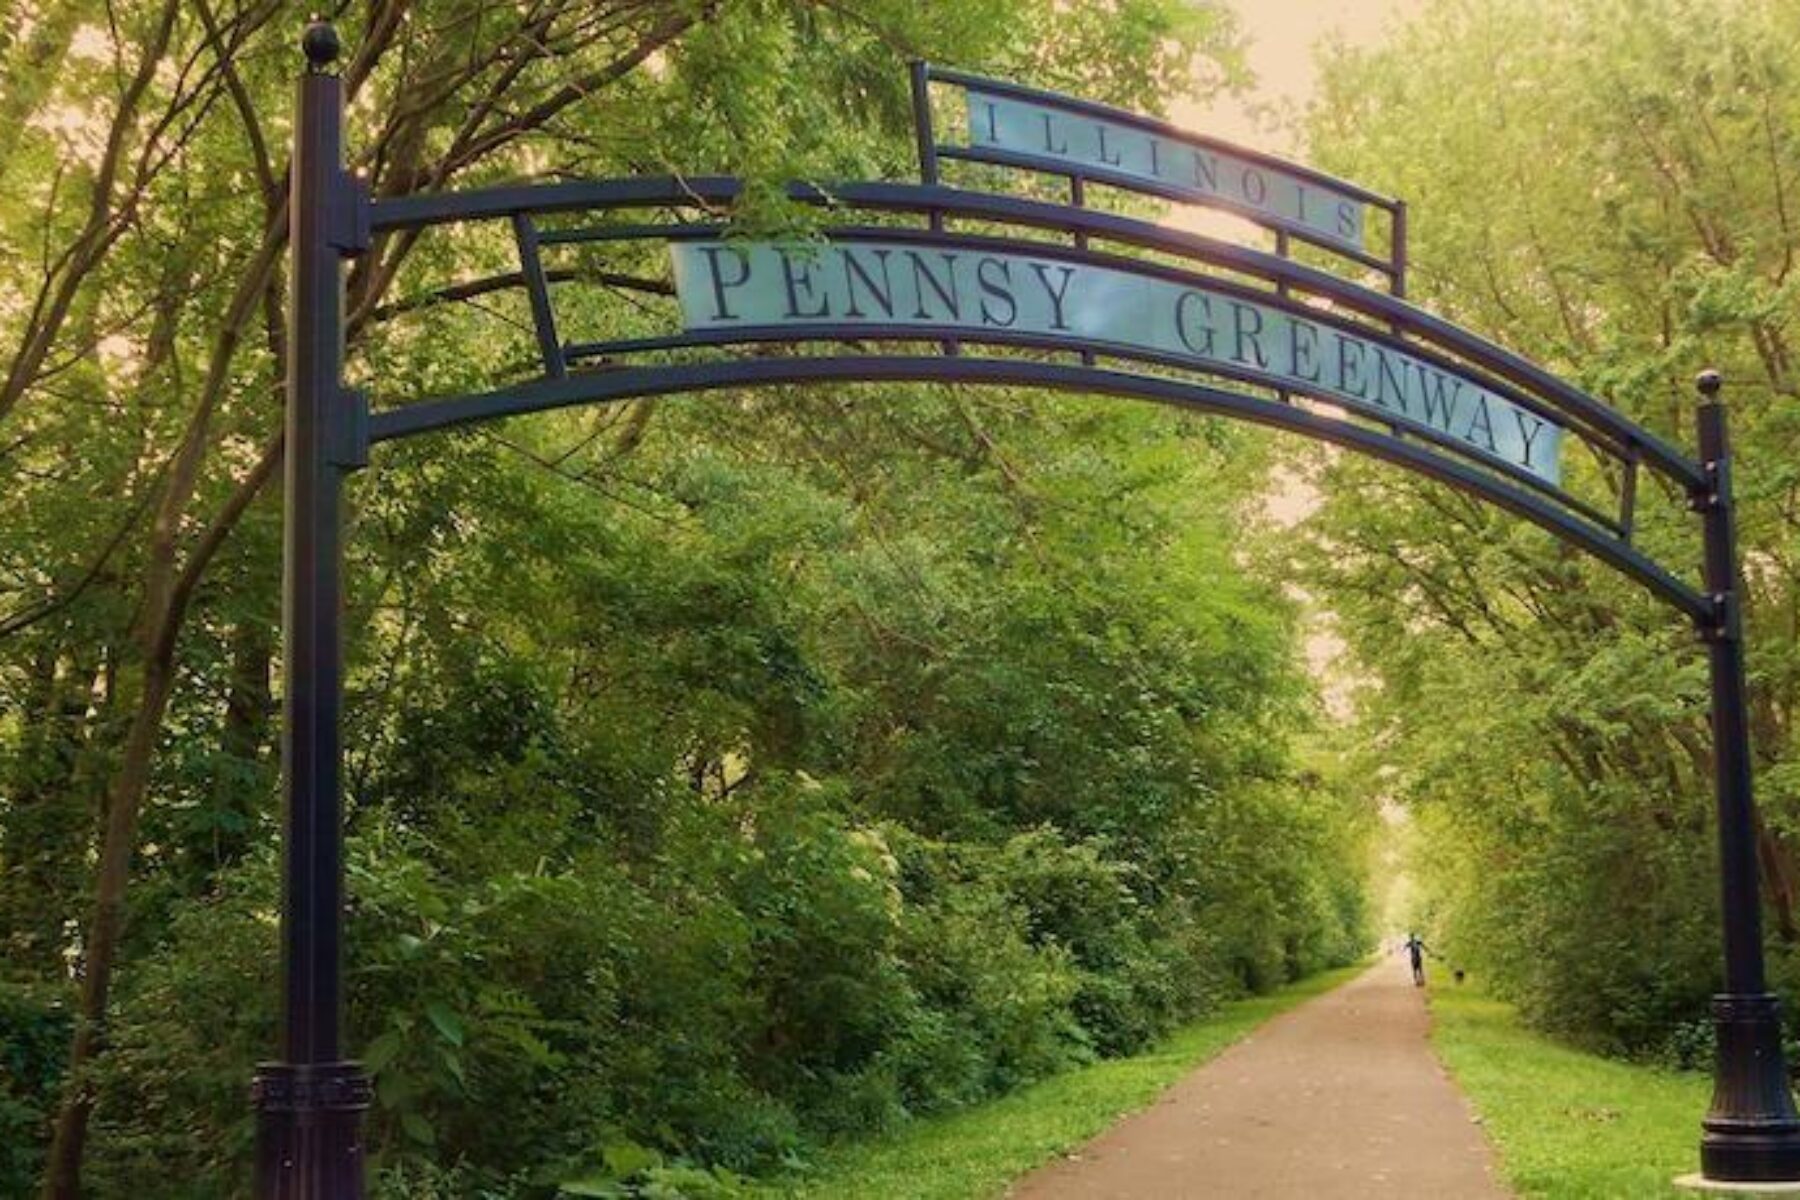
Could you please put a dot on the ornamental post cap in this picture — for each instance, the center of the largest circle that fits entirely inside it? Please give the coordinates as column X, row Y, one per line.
column 320, row 43
column 1708, row 382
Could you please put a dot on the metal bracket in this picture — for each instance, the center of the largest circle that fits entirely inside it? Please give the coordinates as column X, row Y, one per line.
column 1722, row 622
column 537, row 287
column 348, row 224
column 1628, row 488
column 1704, row 497
column 347, row 432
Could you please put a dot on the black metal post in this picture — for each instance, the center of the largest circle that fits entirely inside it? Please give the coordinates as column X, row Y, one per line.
column 1752, row 1133
column 309, row 1105
column 1397, row 253
column 924, row 128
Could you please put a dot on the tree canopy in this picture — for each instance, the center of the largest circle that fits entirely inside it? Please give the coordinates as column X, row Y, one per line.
column 724, row 775
column 1606, row 187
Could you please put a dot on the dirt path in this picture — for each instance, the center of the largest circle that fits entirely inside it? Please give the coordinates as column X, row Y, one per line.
column 1341, row 1097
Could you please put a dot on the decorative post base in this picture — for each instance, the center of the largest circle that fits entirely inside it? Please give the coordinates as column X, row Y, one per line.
column 1752, row 1134
column 309, row 1131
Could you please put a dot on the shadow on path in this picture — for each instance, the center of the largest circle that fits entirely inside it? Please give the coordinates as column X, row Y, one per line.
column 1341, row 1097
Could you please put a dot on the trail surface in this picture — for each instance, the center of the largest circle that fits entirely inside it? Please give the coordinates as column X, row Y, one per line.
column 1341, row 1097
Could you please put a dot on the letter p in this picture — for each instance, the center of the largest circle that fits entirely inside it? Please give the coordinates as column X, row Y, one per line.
column 721, row 283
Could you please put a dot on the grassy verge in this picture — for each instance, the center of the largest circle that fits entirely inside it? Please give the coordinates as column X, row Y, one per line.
column 1568, row 1125
column 976, row 1152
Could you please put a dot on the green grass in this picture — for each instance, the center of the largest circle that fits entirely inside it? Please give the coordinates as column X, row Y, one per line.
column 977, row 1151
column 1568, row 1125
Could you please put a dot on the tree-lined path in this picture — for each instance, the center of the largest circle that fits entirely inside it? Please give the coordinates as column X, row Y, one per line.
column 1340, row 1097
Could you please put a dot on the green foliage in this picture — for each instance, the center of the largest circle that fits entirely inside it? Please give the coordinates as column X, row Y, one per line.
column 34, row 1029
column 172, row 1084
column 1602, row 185
column 776, row 822
column 723, row 776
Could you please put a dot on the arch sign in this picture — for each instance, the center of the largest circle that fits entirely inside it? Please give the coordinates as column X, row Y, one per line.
column 976, row 291
column 1009, row 125
column 980, row 283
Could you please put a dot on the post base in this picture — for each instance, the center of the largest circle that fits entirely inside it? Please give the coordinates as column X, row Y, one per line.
column 1752, row 1134
column 309, row 1130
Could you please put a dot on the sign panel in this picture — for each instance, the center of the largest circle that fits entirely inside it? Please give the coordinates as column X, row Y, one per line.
column 1066, row 141
column 971, row 292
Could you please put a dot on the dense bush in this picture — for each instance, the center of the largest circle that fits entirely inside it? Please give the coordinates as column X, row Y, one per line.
column 781, row 975
column 722, row 775
column 34, row 1032
column 712, row 847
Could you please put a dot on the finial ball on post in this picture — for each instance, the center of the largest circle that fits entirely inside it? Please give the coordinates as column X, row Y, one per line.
column 320, row 43
column 1708, row 382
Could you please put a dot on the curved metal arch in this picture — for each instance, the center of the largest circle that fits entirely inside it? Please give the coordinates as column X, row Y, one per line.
column 865, row 331
column 719, row 192
column 752, row 335
column 638, row 382
column 1002, row 158
column 1333, row 318
column 1124, row 116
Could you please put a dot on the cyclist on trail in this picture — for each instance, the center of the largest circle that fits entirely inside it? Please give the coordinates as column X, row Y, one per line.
column 1415, row 950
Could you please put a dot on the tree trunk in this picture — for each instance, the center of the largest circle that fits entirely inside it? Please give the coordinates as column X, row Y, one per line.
column 29, row 916
column 168, row 587
column 1778, row 877
column 243, row 740
column 62, row 1170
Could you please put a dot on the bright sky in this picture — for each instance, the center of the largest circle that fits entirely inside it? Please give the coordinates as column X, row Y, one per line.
column 1282, row 34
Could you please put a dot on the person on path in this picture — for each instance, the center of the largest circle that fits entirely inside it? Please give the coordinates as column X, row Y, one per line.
column 1415, row 950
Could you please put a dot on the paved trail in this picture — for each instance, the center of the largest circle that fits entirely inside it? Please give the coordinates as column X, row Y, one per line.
column 1340, row 1097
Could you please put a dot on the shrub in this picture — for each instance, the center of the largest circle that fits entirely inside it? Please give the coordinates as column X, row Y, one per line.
column 35, row 1027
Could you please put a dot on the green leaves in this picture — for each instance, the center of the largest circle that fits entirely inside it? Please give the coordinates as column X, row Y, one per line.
column 1600, row 185
column 722, row 774
column 445, row 1022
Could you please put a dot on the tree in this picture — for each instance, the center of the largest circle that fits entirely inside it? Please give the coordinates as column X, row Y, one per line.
column 1605, row 187
column 140, row 409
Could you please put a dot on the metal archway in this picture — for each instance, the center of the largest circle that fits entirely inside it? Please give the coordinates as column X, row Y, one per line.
column 1407, row 388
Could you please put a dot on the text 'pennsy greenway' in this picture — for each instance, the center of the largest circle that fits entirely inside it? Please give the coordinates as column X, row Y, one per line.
column 913, row 290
